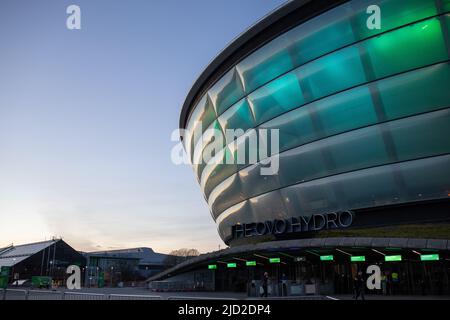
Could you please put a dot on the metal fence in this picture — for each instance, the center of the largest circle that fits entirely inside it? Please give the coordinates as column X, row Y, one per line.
column 198, row 298
column 22, row 294
column 171, row 286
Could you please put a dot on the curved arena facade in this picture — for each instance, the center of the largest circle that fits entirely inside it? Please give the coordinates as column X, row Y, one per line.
column 363, row 118
column 361, row 121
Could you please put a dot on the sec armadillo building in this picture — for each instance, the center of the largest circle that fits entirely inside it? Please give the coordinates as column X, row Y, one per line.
column 364, row 146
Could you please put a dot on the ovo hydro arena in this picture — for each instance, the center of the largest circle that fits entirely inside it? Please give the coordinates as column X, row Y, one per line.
column 363, row 179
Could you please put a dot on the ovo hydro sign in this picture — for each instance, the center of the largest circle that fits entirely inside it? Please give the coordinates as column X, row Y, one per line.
column 315, row 222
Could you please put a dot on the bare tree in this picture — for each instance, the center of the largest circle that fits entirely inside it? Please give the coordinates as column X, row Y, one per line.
column 178, row 256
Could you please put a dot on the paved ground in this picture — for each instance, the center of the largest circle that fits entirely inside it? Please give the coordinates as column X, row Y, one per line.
column 165, row 295
column 145, row 294
column 399, row 297
column 111, row 293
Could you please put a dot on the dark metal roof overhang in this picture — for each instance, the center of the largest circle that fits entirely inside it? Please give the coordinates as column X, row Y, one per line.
column 340, row 242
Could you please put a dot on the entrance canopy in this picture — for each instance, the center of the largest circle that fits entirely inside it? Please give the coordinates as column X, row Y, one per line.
column 320, row 249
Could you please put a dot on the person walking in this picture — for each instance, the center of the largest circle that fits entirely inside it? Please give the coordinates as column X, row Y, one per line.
column 359, row 286
column 265, row 281
column 395, row 282
column 384, row 283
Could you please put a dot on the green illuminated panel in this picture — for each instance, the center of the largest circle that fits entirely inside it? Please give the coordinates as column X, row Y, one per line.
column 416, row 92
column 274, row 260
column 250, row 263
column 392, row 258
column 358, row 258
column 398, row 50
column 332, row 73
column 276, row 97
column 231, row 265
column 326, row 258
column 338, row 113
column 237, row 117
column 446, row 5
column 429, row 257
column 394, row 13
column 322, row 35
column 212, row 266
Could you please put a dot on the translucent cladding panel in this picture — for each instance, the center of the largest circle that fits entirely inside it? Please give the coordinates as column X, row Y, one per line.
column 323, row 34
column 302, row 164
column 345, row 111
column 311, row 197
column 358, row 189
column 427, row 178
column 335, row 114
column 422, row 135
column 424, row 179
column 407, row 48
column 239, row 116
column 237, row 214
column 268, row 206
column 349, row 151
column 372, row 187
column 245, row 149
column 394, row 13
column 332, row 73
column 356, row 149
column 253, row 183
column 201, row 118
column 227, row 91
column 222, row 157
column 217, row 172
column 225, row 195
column 416, row 91
column 212, row 142
column 206, row 137
column 295, row 127
column 265, row 64
column 446, row 19
column 276, row 97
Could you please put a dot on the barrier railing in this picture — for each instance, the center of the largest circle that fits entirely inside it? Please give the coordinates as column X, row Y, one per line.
column 133, row 297
column 43, row 295
column 23, row 294
column 83, row 296
column 172, row 285
column 198, row 298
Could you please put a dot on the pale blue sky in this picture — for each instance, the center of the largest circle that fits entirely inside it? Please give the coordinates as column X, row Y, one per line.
column 86, row 118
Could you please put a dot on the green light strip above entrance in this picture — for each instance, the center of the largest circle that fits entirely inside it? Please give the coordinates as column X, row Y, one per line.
column 429, row 257
column 327, row 258
column 393, row 258
column 358, row 258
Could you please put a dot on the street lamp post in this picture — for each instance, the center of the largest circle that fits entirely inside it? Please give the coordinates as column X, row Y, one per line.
column 96, row 277
column 12, row 270
column 112, row 272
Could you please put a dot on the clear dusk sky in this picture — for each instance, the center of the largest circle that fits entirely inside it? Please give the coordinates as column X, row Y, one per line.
column 86, row 117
